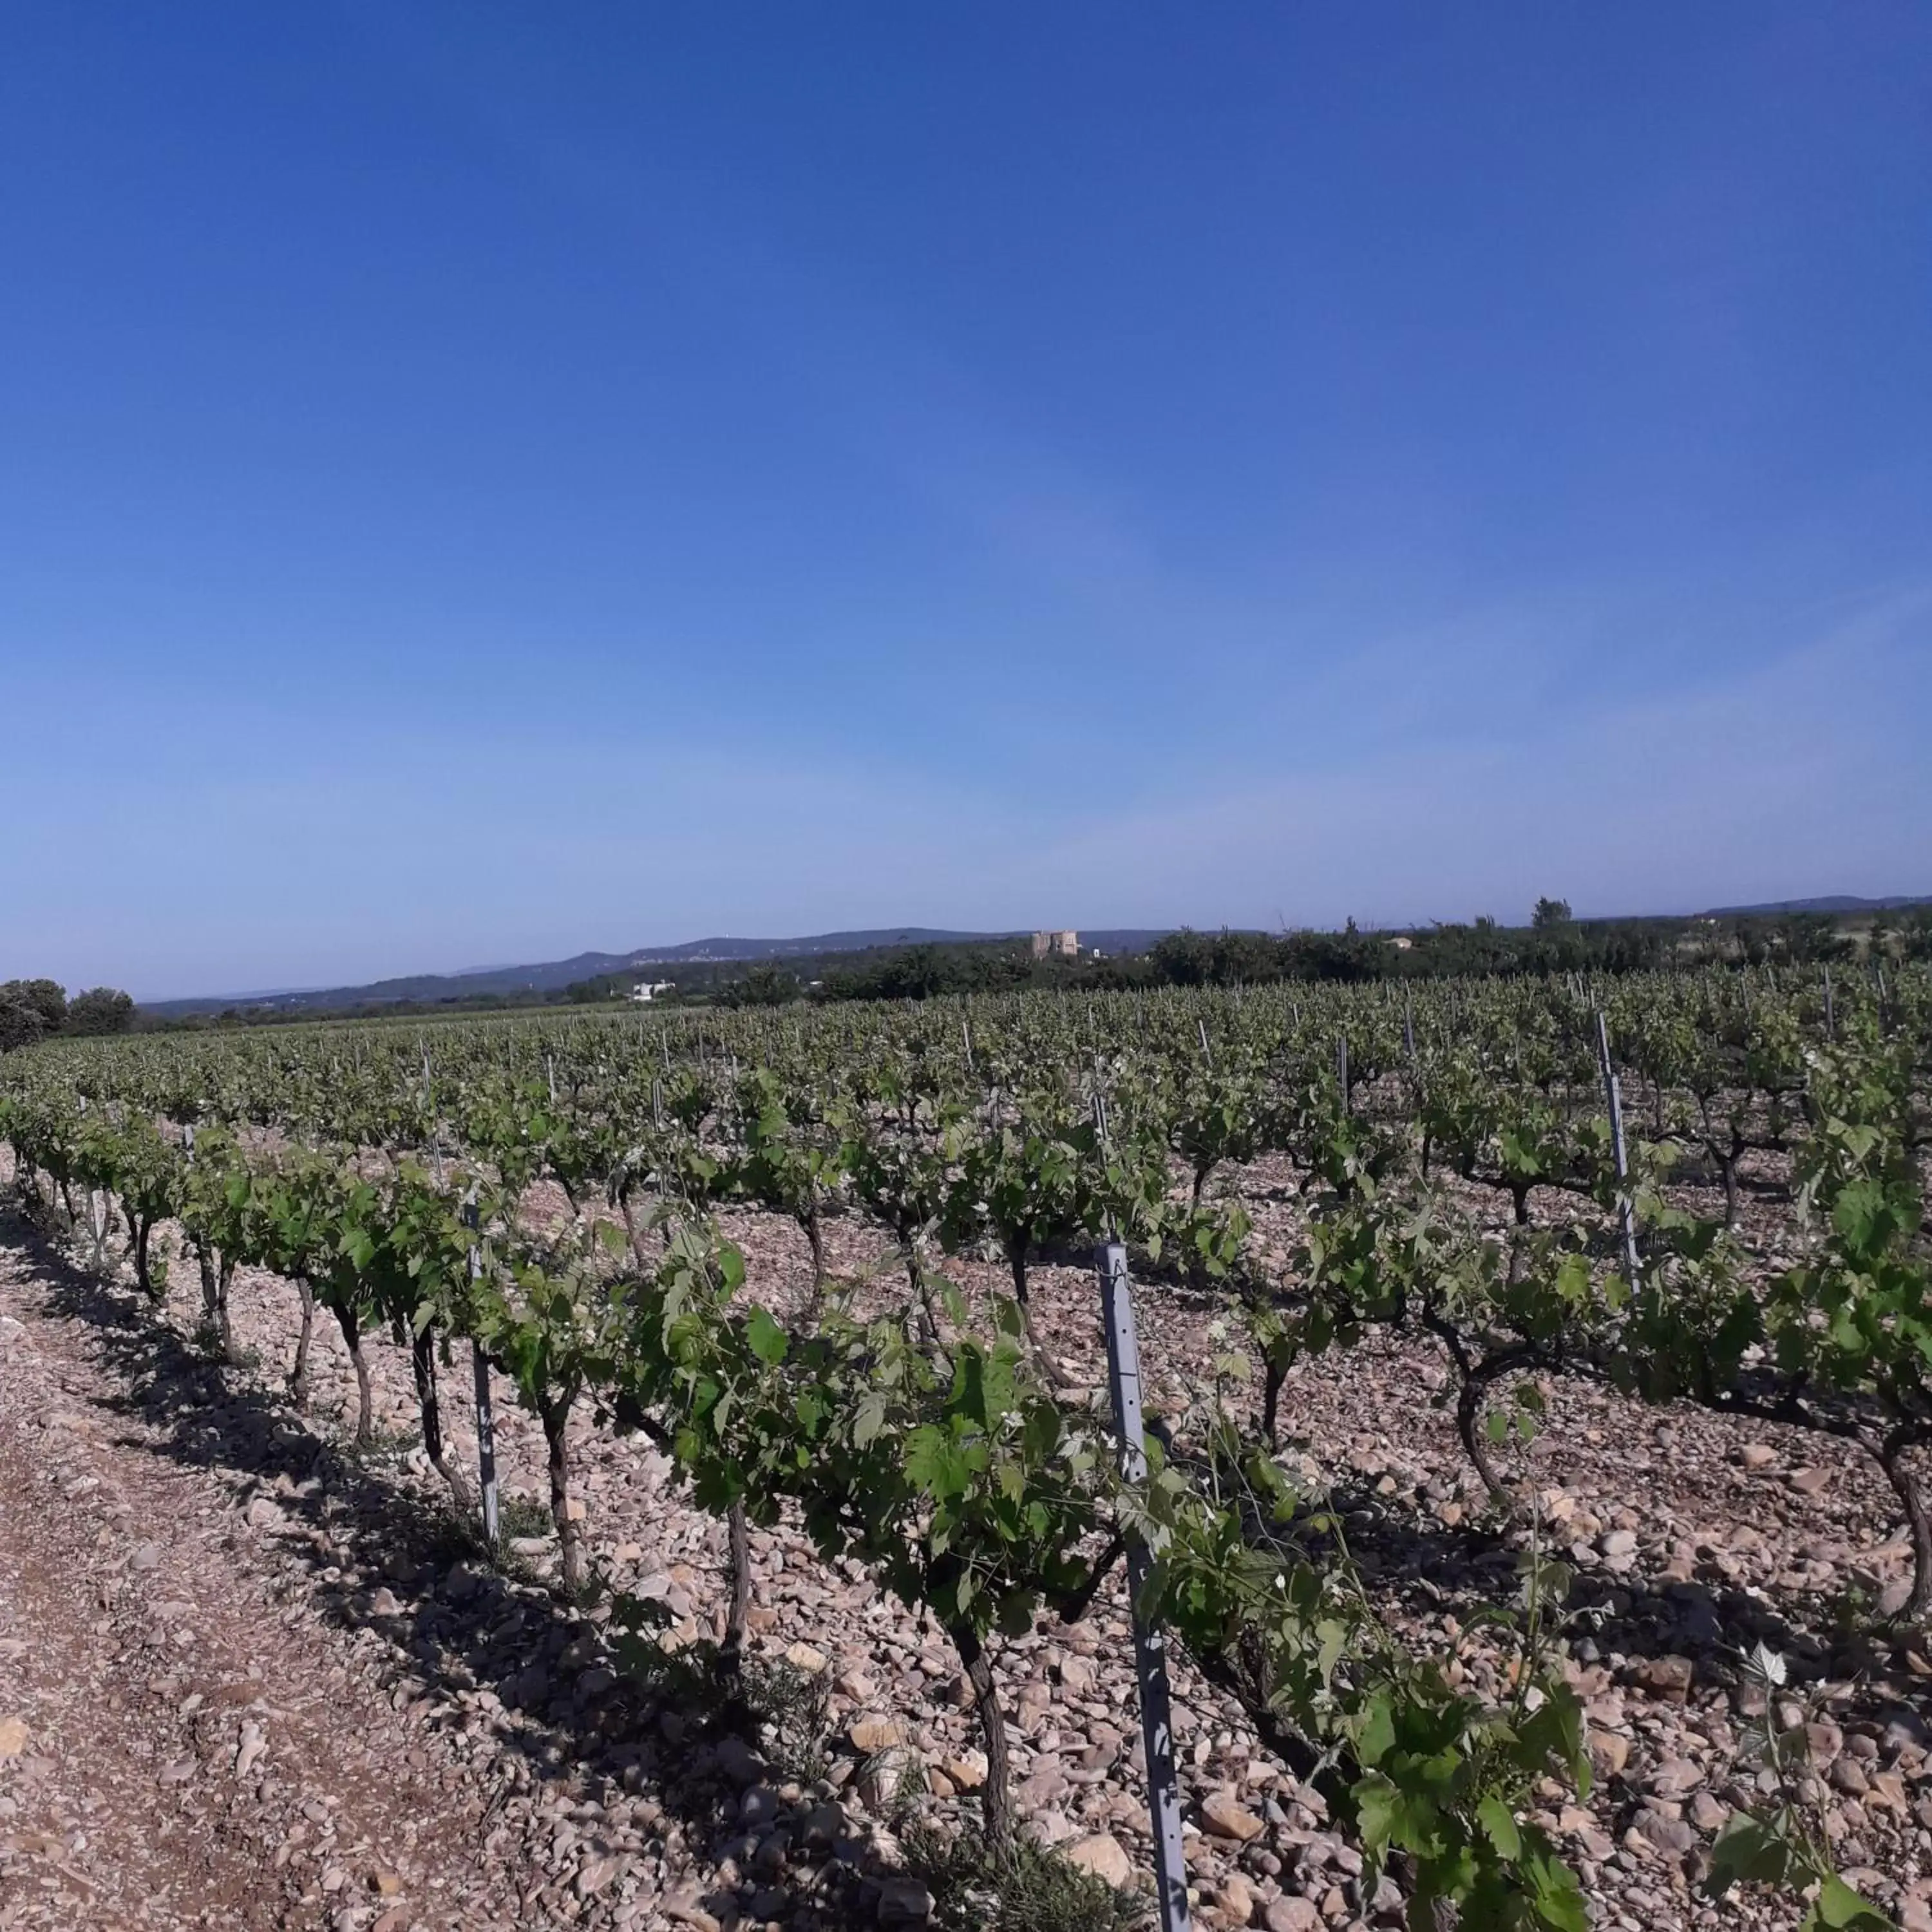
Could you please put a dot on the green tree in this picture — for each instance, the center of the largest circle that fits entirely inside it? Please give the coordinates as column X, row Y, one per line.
column 766, row 984
column 1550, row 912
column 19, row 1025
column 43, row 996
column 100, row 1009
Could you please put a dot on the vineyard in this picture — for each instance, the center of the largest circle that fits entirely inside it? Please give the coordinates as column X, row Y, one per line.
column 1532, row 1505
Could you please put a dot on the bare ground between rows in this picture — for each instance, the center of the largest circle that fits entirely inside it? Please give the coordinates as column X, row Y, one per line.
column 183, row 1751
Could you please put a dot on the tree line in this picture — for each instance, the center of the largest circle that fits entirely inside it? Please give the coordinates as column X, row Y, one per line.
column 31, row 1009
column 1554, row 942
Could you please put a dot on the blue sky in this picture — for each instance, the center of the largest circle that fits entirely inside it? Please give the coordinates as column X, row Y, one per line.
column 478, row 481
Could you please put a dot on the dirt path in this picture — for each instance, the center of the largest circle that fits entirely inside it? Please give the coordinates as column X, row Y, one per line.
column 179, row 1744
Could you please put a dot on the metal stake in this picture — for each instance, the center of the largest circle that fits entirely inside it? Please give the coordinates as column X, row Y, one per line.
column 1613, row 1094
column 1123, row 1382
column 486, row 1418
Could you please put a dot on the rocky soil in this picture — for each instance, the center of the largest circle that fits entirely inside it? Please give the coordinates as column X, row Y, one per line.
column 248, row 1678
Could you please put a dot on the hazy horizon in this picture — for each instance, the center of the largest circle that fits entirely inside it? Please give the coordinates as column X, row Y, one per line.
column 1518, row 918
column 482, row 483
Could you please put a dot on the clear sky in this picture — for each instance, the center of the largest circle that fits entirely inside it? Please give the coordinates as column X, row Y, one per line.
column 481, row 481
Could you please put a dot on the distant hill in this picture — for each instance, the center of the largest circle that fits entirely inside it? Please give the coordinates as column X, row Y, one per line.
column 552, row 976
column 1837, row 903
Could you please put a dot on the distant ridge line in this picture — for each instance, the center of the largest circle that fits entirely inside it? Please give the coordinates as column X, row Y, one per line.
column 1836, row 902
column 551, row 976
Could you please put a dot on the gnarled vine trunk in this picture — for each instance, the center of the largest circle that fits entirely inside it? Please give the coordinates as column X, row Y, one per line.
column 814, row 1235
column 429, row 1405
column 556, row 1418
column 996, row 1800
column 298, row 1374
column 1474, row 1377
column 1016, row 1260
column 100, row 1226
column 1469, row 1433
column 141, row 1228
column 217, row 1272
column 1910, row 1492
column 365, row 1405
column 1274, row 1375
